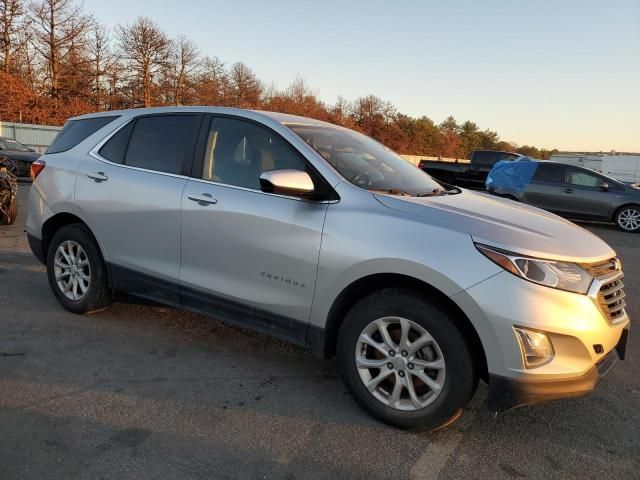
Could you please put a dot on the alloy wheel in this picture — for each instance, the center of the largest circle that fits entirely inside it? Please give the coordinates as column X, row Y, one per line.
column 400, row 363
column 629, row 219
column 72, row 270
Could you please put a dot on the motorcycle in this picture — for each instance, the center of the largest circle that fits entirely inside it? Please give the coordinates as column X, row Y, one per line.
column 8, row 191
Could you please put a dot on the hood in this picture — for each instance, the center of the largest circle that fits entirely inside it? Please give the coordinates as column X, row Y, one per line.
column 24, row 156
column 505, row 224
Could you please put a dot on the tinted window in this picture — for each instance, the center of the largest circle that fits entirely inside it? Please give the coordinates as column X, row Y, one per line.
column 485, row 158
column 161, row 143
column 238, row 152
column 116, row 147
column 7, row 144
column 489, row 157
column 549, row 173
column 582, row 178
column 75, row 131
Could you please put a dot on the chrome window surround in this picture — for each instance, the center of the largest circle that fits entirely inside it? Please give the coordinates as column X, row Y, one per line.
column 95, row 153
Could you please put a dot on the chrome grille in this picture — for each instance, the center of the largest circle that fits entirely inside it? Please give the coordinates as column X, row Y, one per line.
column 611, row 299
column 610, row 294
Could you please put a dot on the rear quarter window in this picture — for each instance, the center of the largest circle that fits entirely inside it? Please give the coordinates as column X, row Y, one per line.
column 75, row 131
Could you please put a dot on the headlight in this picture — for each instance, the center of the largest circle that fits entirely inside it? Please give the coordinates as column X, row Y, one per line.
column 561, row 275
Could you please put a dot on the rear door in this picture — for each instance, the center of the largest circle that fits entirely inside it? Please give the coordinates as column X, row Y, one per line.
column 130, row 190
column 547, row 188
column 251, row 257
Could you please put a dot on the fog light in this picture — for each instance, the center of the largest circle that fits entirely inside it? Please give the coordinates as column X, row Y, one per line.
column 535, row 346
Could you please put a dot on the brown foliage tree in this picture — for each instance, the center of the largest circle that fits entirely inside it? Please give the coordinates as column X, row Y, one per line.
column 146, row 49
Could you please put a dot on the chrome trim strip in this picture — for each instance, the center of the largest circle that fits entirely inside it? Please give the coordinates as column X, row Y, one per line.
column 94, row 152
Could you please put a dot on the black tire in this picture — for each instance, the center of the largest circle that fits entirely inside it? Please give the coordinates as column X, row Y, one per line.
column 461, row 377
column 98, row 295
column 12, row 213
column 624, row 224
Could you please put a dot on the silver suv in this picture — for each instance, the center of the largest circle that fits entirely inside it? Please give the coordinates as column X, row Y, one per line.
column 319, row 235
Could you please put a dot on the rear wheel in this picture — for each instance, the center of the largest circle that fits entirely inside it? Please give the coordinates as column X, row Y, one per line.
column 628, row 219
column 404, row 360
column 76, row 270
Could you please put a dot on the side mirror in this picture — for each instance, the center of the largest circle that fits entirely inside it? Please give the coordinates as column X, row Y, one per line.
column 604, row 186
column 287, row 182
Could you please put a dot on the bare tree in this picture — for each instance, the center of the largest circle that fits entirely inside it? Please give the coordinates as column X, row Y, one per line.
column 245, row 86
column 11, row 16
column 102, row 61
column 211, row 82
column 185, row 62
column 146, row 49
column 59, row 30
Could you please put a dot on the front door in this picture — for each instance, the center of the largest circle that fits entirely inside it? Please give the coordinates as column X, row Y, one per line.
column 249, row 257
column 585, row 198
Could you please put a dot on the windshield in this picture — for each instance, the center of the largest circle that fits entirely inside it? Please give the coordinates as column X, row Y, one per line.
column 7, row 144
column 367, row 163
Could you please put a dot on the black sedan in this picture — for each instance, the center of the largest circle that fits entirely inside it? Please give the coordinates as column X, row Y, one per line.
column 22, row 156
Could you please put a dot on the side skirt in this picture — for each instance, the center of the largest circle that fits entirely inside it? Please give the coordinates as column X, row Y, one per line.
column 129, row 282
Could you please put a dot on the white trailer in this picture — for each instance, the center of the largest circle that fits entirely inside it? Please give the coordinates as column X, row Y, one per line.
column 625, row 168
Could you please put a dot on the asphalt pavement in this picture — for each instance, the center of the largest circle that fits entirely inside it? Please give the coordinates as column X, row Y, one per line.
column 148, row 392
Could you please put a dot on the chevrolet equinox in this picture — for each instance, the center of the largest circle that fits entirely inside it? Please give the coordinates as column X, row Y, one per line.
column 321, row 236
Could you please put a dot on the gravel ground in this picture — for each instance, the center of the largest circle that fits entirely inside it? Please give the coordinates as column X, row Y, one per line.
column 148, row 392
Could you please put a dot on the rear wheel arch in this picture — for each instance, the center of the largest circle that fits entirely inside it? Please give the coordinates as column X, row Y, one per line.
column 59, row 220
column 365, row 286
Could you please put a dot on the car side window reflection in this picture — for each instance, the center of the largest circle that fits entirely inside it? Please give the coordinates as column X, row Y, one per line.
column 238, row 152
column 580, row 178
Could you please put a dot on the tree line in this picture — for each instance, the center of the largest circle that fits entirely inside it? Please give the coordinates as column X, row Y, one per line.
column 58, row 61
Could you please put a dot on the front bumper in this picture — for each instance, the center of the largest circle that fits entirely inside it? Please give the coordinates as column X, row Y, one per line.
column 506, row 393
column 581, row 336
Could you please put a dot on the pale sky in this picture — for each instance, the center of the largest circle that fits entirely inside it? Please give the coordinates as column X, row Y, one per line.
column 551, row 73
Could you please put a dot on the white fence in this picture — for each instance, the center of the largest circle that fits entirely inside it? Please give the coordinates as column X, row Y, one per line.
column 38, row 137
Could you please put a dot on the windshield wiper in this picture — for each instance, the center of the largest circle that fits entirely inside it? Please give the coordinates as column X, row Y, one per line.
column 391, row 191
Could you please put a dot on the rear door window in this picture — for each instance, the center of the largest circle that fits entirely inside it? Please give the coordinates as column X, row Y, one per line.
column 163, row 143
column 75, row 131
column 551, row 173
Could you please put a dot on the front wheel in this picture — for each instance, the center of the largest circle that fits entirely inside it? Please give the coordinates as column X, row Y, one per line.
column 628, row 219
column 404, row 360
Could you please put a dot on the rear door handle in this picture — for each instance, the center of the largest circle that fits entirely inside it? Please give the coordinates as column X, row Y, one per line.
column 203, row 199
column 568, row 190
column 98, row 177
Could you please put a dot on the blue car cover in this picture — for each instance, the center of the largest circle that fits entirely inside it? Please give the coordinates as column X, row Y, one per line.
column 511, row 175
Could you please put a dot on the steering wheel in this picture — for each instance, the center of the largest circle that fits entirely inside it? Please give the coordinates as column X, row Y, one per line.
column 362, row 179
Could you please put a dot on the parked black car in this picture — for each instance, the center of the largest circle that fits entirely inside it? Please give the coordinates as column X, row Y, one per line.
column 469, row 175
column 573, row 192
column 22, row 156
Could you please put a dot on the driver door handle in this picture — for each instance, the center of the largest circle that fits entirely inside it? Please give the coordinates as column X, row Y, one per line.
column 98, row 176
column 204, row 199
column 568, row 190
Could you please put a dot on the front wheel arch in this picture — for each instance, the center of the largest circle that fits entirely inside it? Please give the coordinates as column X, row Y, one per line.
column 614, row 219
column 365, row 286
